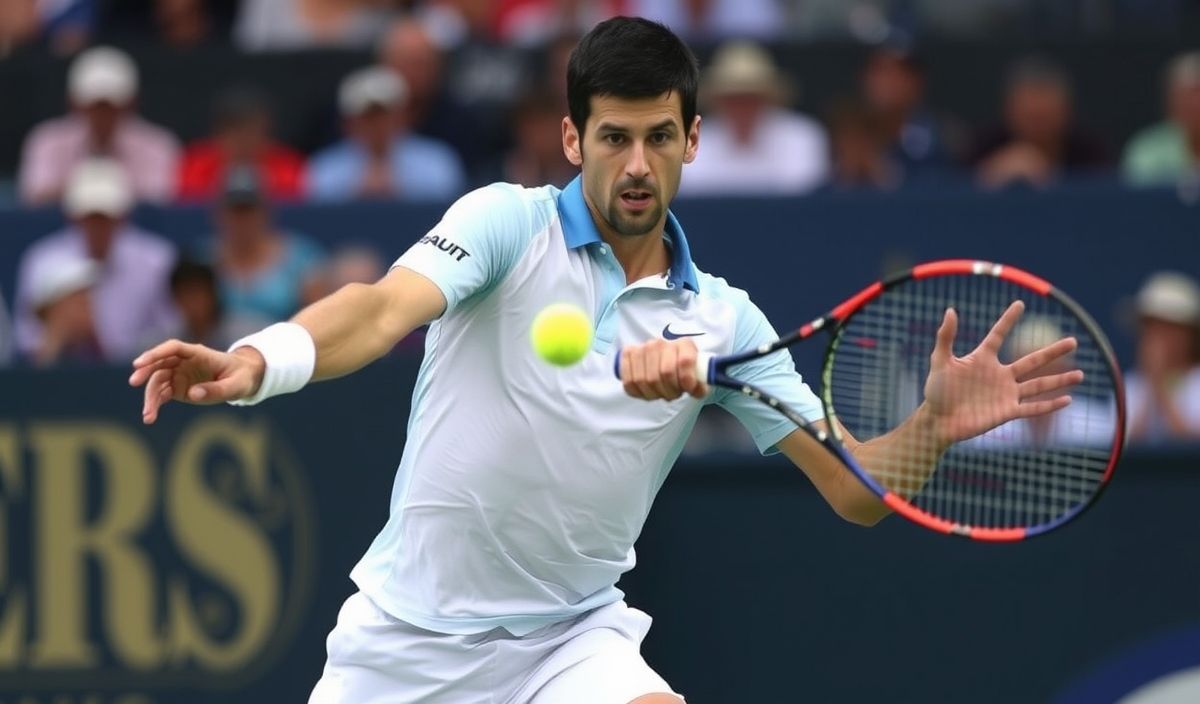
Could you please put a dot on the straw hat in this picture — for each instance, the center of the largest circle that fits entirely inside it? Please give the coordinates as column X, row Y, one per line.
column 745, row 68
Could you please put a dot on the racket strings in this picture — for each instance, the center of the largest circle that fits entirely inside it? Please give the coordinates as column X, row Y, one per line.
column 1022, row 473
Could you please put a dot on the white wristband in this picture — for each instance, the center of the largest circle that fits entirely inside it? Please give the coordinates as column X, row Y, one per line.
column 290, row 354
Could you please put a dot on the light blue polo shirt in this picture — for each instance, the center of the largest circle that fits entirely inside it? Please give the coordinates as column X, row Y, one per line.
column 523, row 486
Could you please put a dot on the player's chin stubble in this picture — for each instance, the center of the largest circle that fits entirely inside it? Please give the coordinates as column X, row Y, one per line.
column 632, row 225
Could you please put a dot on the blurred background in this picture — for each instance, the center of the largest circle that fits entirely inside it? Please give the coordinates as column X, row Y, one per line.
column 201, row 168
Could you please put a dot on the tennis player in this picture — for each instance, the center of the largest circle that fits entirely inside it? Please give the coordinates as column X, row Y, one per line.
column 523, row 487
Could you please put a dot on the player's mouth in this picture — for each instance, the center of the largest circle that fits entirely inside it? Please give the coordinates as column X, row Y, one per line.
column 637, row 200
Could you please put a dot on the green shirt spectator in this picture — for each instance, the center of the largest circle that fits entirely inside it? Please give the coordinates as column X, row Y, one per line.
column 1162, row 154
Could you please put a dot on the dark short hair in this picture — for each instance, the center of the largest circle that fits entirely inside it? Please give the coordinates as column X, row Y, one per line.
column 630, row 57
column 187, row 271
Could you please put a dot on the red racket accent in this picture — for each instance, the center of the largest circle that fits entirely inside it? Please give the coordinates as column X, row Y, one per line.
column 977, row 267
column 856, row 301
column 998, row 535
column 991, row 535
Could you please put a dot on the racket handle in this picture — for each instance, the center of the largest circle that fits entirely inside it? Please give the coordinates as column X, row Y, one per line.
column 704, row 367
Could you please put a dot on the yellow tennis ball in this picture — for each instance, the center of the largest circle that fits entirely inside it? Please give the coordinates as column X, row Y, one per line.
column 561, row 334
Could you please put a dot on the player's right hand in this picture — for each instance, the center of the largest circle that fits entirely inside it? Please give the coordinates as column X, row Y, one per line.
column 661, row 369
column 181, row 371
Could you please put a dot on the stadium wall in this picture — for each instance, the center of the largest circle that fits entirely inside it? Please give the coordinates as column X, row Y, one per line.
column 204, row 560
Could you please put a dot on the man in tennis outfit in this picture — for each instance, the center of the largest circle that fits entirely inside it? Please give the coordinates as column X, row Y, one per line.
column 523, row 487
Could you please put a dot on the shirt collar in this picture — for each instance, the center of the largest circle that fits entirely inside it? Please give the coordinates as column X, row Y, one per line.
column 579, row 229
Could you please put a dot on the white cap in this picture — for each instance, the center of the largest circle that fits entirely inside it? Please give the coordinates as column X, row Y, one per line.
column 102, row 74
column 1033, row 333
column 1170, row 296
column 57, row 276
column 744, row 67
column 373, row 86
column 98, row 186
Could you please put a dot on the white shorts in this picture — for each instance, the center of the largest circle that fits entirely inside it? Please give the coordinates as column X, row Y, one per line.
column 590, row 659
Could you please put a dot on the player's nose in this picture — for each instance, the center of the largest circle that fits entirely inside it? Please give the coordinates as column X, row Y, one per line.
column 637, row 167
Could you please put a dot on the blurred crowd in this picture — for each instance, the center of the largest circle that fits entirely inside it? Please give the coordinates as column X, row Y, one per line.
column 410, row 128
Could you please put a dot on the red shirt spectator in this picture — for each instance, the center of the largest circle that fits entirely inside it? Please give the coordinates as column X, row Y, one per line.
column 242, row 135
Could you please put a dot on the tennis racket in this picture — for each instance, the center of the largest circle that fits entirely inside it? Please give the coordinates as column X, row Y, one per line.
column 1019, row 479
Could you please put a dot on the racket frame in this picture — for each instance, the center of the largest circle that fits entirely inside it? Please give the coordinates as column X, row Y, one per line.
column 834, row 323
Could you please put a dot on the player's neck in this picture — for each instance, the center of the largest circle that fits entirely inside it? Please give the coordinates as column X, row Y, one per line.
column 639, row 255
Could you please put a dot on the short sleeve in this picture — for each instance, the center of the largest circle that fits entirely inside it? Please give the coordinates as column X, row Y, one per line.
column 775, row 374
column 476, row 244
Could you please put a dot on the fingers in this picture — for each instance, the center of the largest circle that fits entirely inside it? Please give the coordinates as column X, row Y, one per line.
column 667, row 384
column 1039, row 408
column 1049, row 383
column 170, row 348
column 661, row 370
column 995, row 337
column 943, row 349
column 159, row 390
column 1037, row 359
column 141, row 374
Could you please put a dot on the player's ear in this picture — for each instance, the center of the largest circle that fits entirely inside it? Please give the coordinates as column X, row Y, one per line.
column 693, row 141
column 572, row 146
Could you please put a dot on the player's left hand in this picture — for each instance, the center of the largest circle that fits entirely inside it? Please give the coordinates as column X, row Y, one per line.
column 661, row 369
column 967, row 396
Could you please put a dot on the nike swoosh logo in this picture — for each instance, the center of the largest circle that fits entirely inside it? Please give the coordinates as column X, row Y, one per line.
column 668, row 335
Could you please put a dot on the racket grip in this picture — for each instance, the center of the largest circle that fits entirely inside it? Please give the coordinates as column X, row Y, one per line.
column 704, row 367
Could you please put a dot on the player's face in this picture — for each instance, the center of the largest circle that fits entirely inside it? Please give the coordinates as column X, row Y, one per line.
column 632, row 155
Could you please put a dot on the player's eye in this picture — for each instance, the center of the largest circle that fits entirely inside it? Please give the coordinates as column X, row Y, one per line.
column 613, row 139
column 659, row 138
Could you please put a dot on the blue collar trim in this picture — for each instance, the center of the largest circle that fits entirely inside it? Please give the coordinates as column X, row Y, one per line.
column 579, row 229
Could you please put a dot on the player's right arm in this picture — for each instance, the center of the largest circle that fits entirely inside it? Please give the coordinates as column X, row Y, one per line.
column 349, row 328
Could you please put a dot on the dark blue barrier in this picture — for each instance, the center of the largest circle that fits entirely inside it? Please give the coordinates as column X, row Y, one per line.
column 799, row 256
column 203, row 560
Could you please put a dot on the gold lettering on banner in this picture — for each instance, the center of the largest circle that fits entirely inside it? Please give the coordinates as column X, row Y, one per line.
column 12, row 618
column 222, row 542
column 65, row 542
column 120, row 569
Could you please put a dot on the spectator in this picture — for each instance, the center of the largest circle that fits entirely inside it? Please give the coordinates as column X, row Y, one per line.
column 378, row 159
column 288, row 25
column 482, row 80
column 1163, row 391
column 1038, row 142
column 60, row 298
column 749, row 144
column 893, row 86
column 128, row 298
column 1086, row 422
column 19, row 24
column 65, row 25
column 263, row 274
column 178, row 24
column 201, row 318
column 241, row 135
column 715, row 19
column 537, row 158
column 102, row 87
column 1170, row 151
column 861, row 158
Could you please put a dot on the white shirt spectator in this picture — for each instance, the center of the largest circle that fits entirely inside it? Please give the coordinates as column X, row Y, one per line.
column 281, row 25
column 102, row 85
column 130, row 300
column 1185, row 394
column 787, row 154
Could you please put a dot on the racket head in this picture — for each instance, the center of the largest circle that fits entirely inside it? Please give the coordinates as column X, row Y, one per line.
column 1020, row 479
